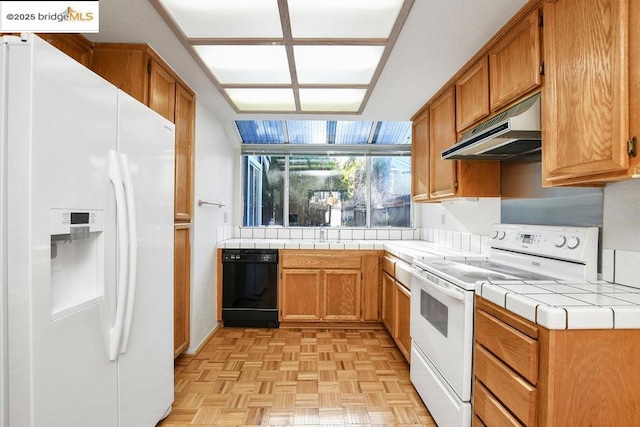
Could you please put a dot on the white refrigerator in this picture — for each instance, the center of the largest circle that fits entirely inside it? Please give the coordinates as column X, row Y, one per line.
column 86, row 220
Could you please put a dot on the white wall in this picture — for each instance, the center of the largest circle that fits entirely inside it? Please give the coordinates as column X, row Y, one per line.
column 621, row 228
column 215, row 164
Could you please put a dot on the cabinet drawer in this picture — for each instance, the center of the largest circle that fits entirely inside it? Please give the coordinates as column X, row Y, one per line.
column 513, row 391
column 389, row 265
column 489, row 409
column 403, row 274
column 513, row 347
column 321, row 259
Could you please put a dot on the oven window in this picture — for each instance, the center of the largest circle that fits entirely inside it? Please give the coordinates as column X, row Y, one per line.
column 434, row 312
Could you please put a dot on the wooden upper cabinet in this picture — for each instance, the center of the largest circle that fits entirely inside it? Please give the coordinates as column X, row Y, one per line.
column 420, row 158
column 442, row 135
column 75, row 45
column 514, row 62
column 162, row 91
column 138, row 70
column 590, row 107
column 125, row 66
column 184, row 120
column 472, row 95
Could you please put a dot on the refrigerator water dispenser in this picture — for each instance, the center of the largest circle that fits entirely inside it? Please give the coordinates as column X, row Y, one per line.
column 77, row 260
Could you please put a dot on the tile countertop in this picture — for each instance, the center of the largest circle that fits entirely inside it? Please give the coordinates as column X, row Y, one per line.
column 406, row 250
column 568, row 305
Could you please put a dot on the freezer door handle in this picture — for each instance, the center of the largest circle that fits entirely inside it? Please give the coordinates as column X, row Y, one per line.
column 133, row 249
column 115, row 332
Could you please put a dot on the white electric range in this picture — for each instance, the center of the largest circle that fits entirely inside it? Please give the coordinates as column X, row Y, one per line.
column 442, row 304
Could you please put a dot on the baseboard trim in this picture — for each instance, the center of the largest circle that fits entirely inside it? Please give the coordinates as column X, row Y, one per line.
column 206, row 339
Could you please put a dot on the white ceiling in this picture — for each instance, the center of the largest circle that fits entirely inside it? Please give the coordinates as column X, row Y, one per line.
column 438, row 37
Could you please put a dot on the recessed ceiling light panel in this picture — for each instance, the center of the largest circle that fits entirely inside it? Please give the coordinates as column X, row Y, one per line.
column 262, row 99
column 343, row 18
column 347, row 100
column 226, row 18
column 336, row 64
column 246, row 64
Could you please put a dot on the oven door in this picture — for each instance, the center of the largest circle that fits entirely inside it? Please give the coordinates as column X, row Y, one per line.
column 442, row 327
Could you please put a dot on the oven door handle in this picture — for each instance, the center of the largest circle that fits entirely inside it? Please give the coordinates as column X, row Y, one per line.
column 453, row 293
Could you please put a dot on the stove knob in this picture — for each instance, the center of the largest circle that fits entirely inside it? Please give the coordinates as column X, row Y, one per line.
column 560, row 241
column 501, row 235
column 573, row 243
column 494, row 234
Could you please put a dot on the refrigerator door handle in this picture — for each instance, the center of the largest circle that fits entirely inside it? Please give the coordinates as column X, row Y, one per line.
column 133, row 249
column 115, row 333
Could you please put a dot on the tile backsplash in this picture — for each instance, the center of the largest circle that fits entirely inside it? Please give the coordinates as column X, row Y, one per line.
column 455, row 239
column 620, row 266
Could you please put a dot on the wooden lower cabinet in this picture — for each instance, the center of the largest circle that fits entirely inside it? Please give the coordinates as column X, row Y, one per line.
column 396, row 302
column 332, row 286
column 341, row 295
column 181, row 287
column 403, row 320
column 300, row 295
column 388, row 306
column 525, row 374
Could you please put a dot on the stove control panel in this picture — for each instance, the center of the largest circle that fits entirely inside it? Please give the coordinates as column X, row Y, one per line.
column 569, row 243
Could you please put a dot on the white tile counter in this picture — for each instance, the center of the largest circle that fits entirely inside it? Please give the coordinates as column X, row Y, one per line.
column 406, row 250
column 568, row 305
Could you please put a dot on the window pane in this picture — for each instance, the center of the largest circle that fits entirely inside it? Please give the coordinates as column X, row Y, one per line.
column 352, row 132
column 307, row 131
column 391, row 191
column 327, row 191
column 392, row 133
column 260, row 131
column 263, row 190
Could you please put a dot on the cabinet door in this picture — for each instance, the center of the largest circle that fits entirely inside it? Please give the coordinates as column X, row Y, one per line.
column 472, row 95
column 420, row 158
column 181, row 288
column 585, row 100
column 300, row 295
column 388, row 304
column 514, row 61
column 341, row 295
column 370, row 287
column 184, row 154
column 162, row 91
column 442, row 135
column 403, row 320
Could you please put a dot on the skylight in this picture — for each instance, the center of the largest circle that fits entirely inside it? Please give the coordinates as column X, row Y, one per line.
column 290, row 56
column 324, row 132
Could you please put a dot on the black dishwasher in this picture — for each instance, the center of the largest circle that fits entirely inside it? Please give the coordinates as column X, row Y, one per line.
column 250, row 288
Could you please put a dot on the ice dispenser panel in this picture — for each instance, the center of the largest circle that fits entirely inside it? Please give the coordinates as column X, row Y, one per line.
column 77, row 260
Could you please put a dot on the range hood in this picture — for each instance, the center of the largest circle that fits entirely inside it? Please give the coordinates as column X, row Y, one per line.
column 513, row 134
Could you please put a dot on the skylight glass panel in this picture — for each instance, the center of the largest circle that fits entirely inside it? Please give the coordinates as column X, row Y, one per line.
column 260, row 131
column 246, row 64
column 343, row 18
column 336, row 64
column 262, row 99
column 328, row 100
column 392, row 133
column 352, row 132
column 307, row 131
column 226, row 18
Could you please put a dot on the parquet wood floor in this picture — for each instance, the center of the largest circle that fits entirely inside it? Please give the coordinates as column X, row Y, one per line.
column 291, row 377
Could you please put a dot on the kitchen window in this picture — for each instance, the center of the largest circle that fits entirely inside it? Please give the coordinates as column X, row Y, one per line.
column 346, row 174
